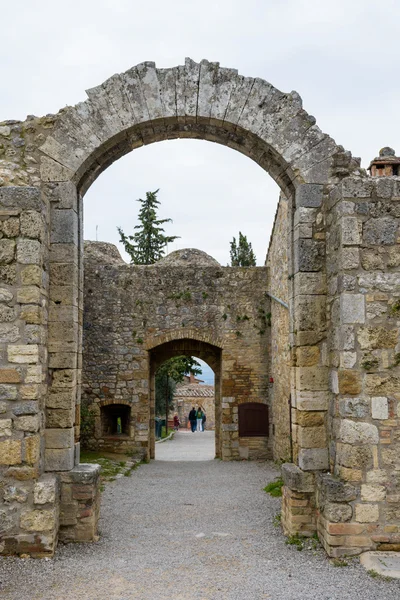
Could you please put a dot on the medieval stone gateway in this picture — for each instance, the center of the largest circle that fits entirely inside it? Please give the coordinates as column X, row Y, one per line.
column 327, row 364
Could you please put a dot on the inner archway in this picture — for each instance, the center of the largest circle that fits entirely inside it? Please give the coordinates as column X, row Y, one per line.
column 210, row 354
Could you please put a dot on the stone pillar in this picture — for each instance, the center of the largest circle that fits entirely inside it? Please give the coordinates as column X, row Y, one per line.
column 309, row 386
column 364, row 308
column 29, row 500
column 80, row 504
column 65, row 324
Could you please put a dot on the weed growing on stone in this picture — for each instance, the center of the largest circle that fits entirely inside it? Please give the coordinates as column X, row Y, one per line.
column 339, row 562
column 295, row 540
column 395, row 308
column 274, row 488
column 276, row 521
column 377, row 575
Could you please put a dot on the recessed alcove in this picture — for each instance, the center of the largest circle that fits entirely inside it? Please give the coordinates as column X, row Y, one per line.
column 115, row 420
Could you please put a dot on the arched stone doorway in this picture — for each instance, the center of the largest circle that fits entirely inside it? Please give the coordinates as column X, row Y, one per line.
column 212, row 355
column 336, row 218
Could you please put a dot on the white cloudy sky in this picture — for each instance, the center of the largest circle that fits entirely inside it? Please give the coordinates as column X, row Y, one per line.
column 342, row 56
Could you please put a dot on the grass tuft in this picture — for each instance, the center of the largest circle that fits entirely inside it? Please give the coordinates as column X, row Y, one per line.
column 274, row 488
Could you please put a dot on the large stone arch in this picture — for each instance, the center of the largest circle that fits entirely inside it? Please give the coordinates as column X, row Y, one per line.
column 336, row 217
column 197, row 100
column 146, row 105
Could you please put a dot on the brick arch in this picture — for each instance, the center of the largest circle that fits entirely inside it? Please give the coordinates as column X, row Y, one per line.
column 197, row 100
column 199, row 335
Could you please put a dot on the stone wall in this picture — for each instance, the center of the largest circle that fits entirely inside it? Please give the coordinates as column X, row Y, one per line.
column 279, row 354
column 130, row 310
column 363, row 258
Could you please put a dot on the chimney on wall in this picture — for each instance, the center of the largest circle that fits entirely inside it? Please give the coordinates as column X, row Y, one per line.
column 386, row 164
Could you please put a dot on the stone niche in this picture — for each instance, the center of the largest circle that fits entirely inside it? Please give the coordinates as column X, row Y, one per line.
column 115, row 420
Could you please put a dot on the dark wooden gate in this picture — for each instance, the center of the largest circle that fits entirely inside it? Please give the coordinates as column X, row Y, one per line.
column 253, row 420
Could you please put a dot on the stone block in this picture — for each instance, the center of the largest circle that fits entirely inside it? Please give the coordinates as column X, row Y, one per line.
column 29, row 423
column 338, row 513
column 310, row 419
column 64, row 226
column 296, row 479
column 334, row 489
column 373, row 493
column 311, row 437
column 5, row 295
column 14, row 493
column 309, row 195
column 59, row 438
column 7, row 313
column 349, row 381
column 309, row 283
column 307, row 356
column 355, row 457
column 32, row 449
column 374, row 338
column 84, row 473
column 351, row 231
column 380, row 232
column 45, row 490
column 32, row 275
column 11, row 227
column 311, row 378
column 29, row 295
column 23, row 197
column 5, row 427
column 60, row 418
column 26, row 408
column 352, row 308
column 313, row 459
column 29, row 252
column 352, row 432
column 309, row 255
column 64, row 399
column 312, row 401
column 354, row 407
column 38, row 520
column 8, row 392
column 367, row 513
column 23, row 354
column 349, row 258
column 31, row 224
column 59, row 459
column 7, row 251
column 380, row 407
column 63, row 193
column 10, row 376
column 10, row 452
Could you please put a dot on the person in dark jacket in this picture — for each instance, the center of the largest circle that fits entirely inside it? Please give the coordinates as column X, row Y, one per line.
column 193, row 419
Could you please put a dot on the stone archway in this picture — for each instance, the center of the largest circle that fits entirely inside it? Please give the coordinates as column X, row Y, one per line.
column 212, row 355
column 336, row 219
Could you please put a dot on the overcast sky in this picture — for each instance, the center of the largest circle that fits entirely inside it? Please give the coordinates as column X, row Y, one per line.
column 342, row 56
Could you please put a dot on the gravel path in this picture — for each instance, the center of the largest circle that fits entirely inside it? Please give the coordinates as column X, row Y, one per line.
column 190, row 530
column 186, row 445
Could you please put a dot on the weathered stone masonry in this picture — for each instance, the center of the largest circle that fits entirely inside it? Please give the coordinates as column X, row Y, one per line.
column 343, row 295
column 186, row 298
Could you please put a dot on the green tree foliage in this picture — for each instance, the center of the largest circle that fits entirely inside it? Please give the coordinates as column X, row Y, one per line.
column 242, row 254
column 147, row 245
column 171, row 372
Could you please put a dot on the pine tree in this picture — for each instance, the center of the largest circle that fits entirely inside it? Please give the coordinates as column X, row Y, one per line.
column 147, row 245
column 242, row 254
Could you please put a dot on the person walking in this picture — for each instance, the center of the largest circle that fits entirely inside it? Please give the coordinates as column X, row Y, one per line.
column 192, row 419
column 199, row 416
column 203, row 423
